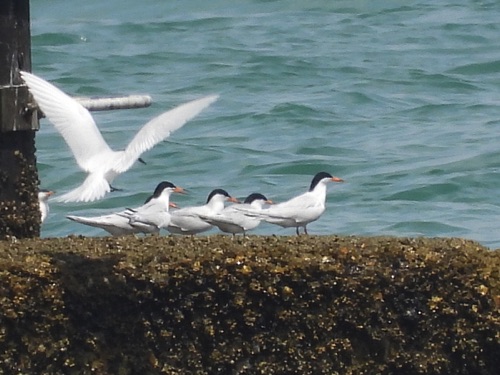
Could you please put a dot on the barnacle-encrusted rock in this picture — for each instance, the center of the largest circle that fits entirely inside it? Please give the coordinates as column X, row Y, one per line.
column 262, row 305
column 19, row 207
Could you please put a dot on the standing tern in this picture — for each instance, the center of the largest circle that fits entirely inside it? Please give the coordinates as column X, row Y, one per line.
column 154, row 214
column 300, row 210
column 92, row 153
column 232, row 220
column 137, row 220
column 187, row 220
column 43, row 200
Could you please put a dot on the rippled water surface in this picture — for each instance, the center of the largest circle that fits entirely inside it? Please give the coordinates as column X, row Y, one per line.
column 399, row 99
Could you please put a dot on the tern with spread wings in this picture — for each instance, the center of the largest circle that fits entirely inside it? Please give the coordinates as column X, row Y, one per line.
column 92, row 153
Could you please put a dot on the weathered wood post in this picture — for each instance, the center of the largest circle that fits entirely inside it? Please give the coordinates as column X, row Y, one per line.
column 19, row 209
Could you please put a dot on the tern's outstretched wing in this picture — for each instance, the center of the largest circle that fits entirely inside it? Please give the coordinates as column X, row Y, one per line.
column 160, row 128
column 70, row 118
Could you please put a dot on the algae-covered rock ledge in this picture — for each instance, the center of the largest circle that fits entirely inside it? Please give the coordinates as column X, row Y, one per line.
column 261, row 305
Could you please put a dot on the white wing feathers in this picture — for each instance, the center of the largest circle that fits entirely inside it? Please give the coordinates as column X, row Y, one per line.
column 232, row 219
column 160, row 128
column 94, row 187
column 155, row 216
column 70, row 118
column 117, row 224
column 92, row 153
column 283, row 211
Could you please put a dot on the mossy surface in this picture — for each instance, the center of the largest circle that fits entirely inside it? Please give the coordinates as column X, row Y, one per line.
column 261, row 305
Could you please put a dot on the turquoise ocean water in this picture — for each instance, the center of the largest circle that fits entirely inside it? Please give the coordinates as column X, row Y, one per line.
column 400, row 99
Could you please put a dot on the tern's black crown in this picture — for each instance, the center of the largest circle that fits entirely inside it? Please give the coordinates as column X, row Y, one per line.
column 217, row 191
column 159, row 189
column 319, row 176
column 253, row 197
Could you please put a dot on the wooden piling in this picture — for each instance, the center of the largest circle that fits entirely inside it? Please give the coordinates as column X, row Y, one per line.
column 19, row 208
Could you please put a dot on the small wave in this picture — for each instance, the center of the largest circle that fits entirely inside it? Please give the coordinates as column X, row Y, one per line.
column 478, row 68
column 425, row 193
column 293, row 110
column 57, row 39
column 442, row 81
column 424, row 228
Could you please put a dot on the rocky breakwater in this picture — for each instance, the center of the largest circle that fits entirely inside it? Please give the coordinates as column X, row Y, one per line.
column 261, row 305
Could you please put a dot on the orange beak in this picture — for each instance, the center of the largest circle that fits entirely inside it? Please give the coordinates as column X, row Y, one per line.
column 337, row 179
column 234, row 200
column 269, row 201
column 179, row 190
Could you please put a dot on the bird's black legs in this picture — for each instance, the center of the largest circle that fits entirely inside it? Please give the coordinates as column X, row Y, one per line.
column 298, row 233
